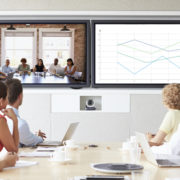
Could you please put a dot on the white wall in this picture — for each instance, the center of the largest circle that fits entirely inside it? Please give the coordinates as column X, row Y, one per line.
column 145, row 114
column 146, row 110
column 91, row 5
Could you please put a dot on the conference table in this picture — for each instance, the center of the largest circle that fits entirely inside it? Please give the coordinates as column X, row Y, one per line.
column 82, row 158
column 44, row 78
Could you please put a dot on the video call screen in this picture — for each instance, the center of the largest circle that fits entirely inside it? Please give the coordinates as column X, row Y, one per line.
column 39, row 53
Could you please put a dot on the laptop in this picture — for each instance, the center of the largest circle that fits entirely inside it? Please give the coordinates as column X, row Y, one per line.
column 68, row 135
column 10, row 76
column 60, row 71
column 164, row 162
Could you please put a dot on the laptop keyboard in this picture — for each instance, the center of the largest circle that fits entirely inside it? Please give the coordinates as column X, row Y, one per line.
column 165, row 162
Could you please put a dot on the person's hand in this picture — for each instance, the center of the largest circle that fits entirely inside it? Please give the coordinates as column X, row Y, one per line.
column 149, row 136
column 10, row 113
column 10, row 159
column 154, row 144
column 41, row 134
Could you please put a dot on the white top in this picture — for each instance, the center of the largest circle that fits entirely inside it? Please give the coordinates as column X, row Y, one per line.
column 53, row 68
column 26, row 137
column 172, row 147
column 70, row 70
column 175, row 142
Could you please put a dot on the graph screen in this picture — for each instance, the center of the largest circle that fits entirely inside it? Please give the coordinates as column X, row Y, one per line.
column 137, row 53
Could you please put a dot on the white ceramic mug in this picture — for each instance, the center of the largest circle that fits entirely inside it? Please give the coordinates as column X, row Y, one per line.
column 59, row 154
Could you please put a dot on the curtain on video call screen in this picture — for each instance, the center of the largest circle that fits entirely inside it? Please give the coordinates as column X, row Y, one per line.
column 44, row 53
column 137, row 53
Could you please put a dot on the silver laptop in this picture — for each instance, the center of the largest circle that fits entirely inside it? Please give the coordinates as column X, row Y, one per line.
column 164, row 162
column 68, row 135
column 10, row 76
column 60, row 72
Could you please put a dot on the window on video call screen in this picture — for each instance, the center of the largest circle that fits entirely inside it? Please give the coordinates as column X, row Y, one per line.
column 39, row 53
column 137, row 53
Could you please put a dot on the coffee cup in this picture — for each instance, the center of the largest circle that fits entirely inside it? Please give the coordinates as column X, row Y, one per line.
column 59, row 154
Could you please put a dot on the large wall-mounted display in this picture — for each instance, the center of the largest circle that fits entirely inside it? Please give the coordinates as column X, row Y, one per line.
column 135, row 53
column 58, row 53
column 46, row 53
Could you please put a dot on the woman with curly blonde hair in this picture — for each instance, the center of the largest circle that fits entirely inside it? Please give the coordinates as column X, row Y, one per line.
column 171, row 100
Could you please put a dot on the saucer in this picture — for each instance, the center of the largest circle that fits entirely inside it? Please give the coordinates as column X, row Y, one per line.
column 116, row 168
column 59, row 161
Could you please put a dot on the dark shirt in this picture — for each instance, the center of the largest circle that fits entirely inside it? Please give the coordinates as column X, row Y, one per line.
column 39, row 68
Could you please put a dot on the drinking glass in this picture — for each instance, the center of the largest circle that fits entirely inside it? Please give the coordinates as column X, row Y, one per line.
column 135, row 154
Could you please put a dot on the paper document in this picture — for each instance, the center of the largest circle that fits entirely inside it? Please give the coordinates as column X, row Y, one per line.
column 46, row 149
column 20, row 164
column 35, row 154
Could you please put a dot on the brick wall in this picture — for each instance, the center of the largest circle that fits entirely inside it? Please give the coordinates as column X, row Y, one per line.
column 79, row 41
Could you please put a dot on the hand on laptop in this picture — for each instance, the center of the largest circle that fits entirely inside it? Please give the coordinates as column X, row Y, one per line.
column 154, row 144
column 41, row 134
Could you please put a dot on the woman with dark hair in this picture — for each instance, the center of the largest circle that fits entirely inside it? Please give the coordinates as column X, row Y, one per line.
column 10, row 142
column 39, row 67
column 70, row 69
column 23, row 67
column 7, row 141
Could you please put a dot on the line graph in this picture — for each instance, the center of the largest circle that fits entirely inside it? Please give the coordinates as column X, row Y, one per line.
column 138, row 53
column 163, row 49
column 149, row 63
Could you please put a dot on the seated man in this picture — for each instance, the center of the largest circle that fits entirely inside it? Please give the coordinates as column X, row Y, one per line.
column 15, row 97
column 53, row 67
column 6, row 68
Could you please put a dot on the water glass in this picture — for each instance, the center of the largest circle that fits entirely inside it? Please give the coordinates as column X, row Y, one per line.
column 135, row 154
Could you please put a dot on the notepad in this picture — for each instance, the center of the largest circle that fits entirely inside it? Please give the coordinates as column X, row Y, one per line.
column 35, row 154
column 21, row 164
